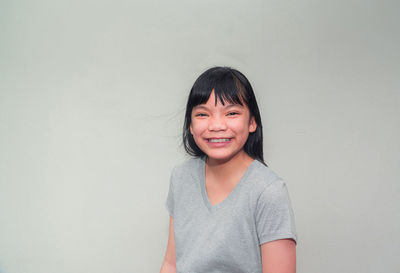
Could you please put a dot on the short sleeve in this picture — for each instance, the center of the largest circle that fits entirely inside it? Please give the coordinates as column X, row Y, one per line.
column 274, row 214
column 169, row 204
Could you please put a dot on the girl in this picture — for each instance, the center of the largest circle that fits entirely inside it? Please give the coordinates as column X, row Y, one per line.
column 228, row 211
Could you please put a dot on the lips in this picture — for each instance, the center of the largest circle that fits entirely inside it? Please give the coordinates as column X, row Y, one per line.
column 218, row 140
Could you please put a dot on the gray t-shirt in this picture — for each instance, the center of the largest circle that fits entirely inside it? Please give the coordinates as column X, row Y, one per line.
column 226, row 237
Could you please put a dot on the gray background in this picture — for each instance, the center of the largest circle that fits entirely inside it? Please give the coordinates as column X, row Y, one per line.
column 92, row 97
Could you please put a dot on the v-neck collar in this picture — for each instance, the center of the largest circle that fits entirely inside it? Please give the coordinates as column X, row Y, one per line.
column 231, row 195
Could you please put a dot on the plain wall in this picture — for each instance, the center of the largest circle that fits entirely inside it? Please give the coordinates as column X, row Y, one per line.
column 92, row 98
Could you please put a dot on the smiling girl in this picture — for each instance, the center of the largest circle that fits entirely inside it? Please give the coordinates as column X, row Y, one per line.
column 229, row 212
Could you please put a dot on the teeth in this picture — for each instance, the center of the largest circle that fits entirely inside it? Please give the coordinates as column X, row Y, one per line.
column 219, row 140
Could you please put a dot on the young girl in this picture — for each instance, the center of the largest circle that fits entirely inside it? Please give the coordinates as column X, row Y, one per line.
column 229, row 212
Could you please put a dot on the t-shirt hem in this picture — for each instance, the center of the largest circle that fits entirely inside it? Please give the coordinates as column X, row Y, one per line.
column 272, row 237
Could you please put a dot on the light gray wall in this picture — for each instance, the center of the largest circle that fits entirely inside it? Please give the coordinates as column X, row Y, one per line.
column 92, row 97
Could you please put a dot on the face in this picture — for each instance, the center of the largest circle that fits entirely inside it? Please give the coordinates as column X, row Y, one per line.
column 221, row 131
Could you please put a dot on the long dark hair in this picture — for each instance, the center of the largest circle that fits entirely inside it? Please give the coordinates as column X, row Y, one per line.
column 231, row 86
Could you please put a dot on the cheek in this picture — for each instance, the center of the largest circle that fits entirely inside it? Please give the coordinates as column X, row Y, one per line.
column 197, row 127
column 240, row 126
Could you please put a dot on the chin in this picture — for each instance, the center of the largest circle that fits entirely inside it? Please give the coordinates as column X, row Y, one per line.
column 220, row 156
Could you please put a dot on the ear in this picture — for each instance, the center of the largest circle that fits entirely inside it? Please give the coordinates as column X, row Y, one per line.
column 191, row 129
column 252, row 125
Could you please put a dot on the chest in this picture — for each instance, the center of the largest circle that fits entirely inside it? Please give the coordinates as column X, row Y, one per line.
column 218, row 191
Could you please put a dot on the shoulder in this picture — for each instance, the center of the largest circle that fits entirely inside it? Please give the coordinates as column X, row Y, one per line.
column 263, row 177
column 267, row 186
column 190, row 167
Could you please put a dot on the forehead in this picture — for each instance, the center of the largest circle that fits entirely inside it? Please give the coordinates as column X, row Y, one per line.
column 227, row 105
column 216, row 106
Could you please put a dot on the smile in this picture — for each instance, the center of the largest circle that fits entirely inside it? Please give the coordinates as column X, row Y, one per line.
column 218, row 140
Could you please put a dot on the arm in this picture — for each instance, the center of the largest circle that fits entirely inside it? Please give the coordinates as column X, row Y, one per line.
column 169, row 264
column 279, row 256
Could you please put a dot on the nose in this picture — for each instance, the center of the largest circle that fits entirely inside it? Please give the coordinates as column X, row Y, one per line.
column 217, row 124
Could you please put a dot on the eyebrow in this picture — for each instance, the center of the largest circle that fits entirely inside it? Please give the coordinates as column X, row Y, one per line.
column 226, row 107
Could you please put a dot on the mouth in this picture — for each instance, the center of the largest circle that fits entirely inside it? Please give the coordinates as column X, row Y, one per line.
column 218, row 140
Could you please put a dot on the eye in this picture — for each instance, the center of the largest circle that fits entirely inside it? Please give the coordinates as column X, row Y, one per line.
column 200, row 115
column 233, row 113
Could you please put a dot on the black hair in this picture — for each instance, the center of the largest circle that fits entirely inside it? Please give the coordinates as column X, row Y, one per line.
column 231, row 86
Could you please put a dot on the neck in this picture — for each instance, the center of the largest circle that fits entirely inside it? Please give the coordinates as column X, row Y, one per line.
column 221, row 167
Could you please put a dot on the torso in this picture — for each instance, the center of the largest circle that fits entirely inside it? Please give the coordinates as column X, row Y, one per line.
column 225, row 237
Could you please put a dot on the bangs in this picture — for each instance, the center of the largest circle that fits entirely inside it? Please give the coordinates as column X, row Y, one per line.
column 227, row 89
